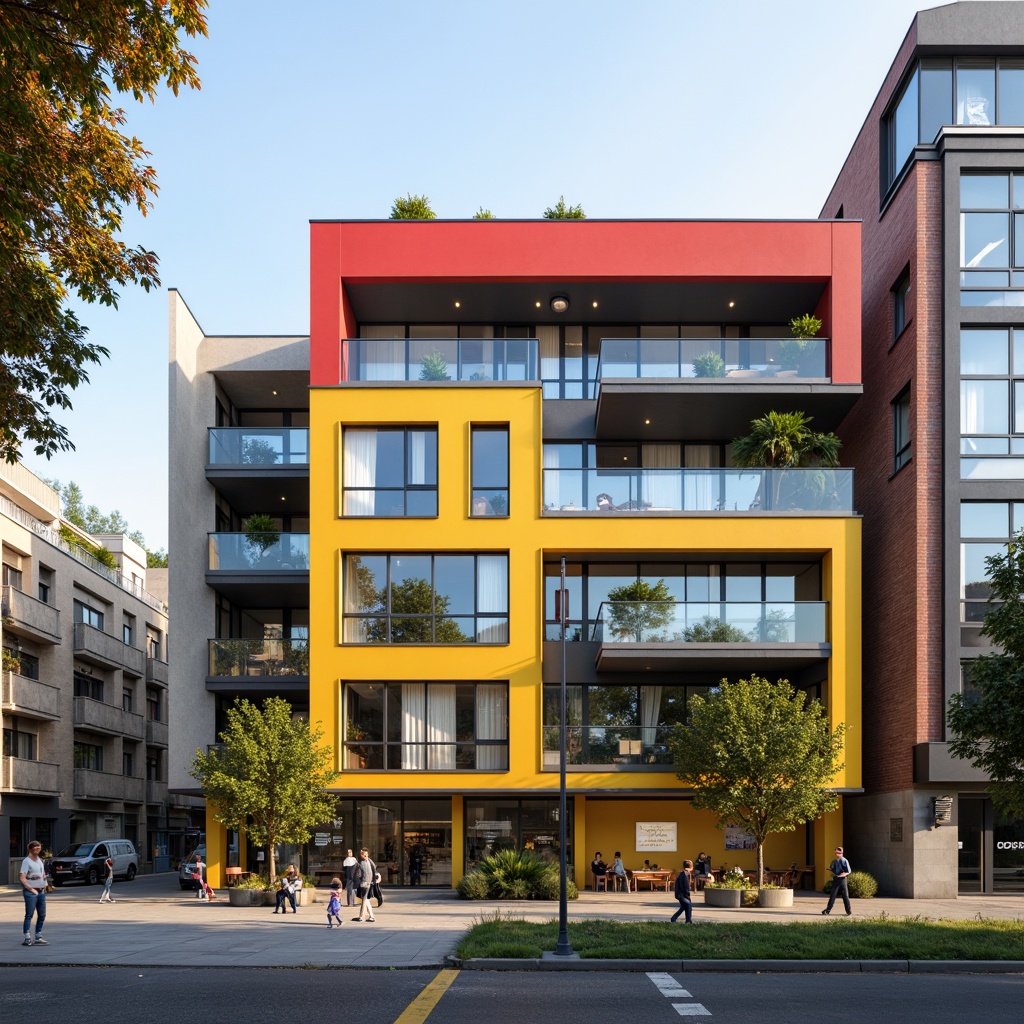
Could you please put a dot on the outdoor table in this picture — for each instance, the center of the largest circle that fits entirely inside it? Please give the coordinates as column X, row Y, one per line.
column 662, row 879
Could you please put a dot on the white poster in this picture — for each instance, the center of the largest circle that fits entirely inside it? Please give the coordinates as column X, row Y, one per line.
column 656, row 836
column 737, row 838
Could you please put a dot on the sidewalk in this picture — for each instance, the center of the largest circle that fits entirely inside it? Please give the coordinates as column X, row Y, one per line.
column 154, row 924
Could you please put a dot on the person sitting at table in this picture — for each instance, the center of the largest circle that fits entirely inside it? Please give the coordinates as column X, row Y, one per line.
column 618, row 870
column 702, row 870
column 605, row 503
column 598, row 868
column 647, row 866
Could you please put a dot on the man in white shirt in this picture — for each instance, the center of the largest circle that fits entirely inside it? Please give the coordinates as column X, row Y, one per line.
column 33, row 884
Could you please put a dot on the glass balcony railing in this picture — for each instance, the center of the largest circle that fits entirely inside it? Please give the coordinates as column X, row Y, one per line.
column 259, row 446
column 258, row 552
column 443, row 359
column 698, row 490
column 251, row 657
column 609, row 745
column 711, row 622
column 714, row 359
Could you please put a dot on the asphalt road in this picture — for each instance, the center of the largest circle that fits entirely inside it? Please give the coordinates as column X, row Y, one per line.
column 268, row 996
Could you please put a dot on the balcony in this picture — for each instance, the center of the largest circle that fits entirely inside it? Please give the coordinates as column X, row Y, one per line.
column 92, row 785
column 156, row 792
column 734, row 636
column 27, row 617
column 437, row 360
column 98, row 648
column 610, row 748
column 156, row 733
column 690, row 388
column 30, row 698
column 30, row 777
column 156, row 671
column 250, row 466
column 97, row 716
column 652, row 491
column 271, row 570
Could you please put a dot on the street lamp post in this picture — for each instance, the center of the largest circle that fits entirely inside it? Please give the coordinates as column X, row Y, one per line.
column 563, row 947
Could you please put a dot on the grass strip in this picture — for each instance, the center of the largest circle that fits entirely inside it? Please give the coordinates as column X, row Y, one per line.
column 908, row 938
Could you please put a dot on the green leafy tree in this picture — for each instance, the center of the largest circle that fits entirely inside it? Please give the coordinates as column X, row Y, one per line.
column 482, row 214
column 156, row 559
column 270, row 776
column 410, row 207
column 712, row 630
column 637, row 611
column 562, row 211
column 261, row 533
column 781, row 440
column 987, row 720
column 257, row 451
column 759, row 755
column 67, row 171
column 416, row 598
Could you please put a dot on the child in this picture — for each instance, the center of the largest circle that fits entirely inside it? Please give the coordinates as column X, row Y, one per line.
column 334, row 903
column 208, row 893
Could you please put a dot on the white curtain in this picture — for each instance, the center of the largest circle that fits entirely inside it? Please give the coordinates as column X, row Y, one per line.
column 650, row 708
column 353, row 630
column 414, row 732
column 359, row 470
column 384, row 358
column 441, row 727
column 662, row 490
column 701, row 490
column 552, row 481
column 549, row 361
column 492, row 593
column 491, row 724
column 417, row 457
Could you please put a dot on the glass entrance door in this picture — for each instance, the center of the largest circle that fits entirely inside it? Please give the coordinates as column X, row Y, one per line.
column 971, row 837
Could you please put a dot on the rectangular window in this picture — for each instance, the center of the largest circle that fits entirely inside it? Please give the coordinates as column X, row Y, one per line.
column 19, row 744
column 127, row 700
column 11, row 576
column 489, row 475
column 28, row 664
column 152, row 645
column 389, row 472
column 985, row 529
column 901, row 430
column 88, row 614
column 425, row 599
column 900, row 304
column 88, row 686
column 128, row 764
column 128, row 629
column 435, row 726
column 89, row 755
column 153, row 708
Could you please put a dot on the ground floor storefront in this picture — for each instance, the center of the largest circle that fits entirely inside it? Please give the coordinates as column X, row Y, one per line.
column 990, row 848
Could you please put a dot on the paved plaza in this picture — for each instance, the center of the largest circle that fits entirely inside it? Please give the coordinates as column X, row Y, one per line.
column 154, row 924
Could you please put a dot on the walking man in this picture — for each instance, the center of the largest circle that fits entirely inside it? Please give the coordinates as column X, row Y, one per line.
column 350, row 867
column 683, row 893
column 33, row 885
column 840, row 869
column 366, row 877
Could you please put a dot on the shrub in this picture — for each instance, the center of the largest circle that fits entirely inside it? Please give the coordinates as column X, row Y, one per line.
column 253, row 882
column 708, row 364
column 504, row 866
column 862, row 886
column 730, row 881
column 511, row 888
column 473, row 886
column 547, row 888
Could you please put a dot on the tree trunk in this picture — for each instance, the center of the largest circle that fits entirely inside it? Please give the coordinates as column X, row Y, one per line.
column 270, row 862
column 760, row 864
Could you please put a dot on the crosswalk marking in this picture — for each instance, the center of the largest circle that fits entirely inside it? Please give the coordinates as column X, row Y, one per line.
column 671, row 989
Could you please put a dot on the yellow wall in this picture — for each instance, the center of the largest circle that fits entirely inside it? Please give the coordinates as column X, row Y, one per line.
column 527, row 535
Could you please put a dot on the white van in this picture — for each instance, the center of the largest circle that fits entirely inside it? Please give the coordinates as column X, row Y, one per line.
column 85, row 862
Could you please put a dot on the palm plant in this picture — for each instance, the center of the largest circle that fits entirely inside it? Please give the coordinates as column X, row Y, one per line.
column 784, row 440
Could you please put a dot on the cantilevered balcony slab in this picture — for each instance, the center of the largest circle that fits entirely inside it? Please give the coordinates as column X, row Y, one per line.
column 29, row 698
column 728, row 659
column 105, row 651
column 36, row 778
column 250, row 570
column 258, row 467
column 25, row 616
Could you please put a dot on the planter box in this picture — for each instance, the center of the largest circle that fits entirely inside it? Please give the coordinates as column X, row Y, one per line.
column 722, row 897
column 775, row 897
column 245, row 897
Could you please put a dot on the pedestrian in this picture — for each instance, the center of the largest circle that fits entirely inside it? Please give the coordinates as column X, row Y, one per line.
column 350, row 866
column 683, row 893
column 108, row 882
column 33, row 886
column 415, row 865
column 366, row 877
column 840, row 869
column 197, row 877
column 334, row 903
column 287, row 885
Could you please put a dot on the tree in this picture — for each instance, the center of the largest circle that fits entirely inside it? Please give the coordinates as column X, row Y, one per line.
column 758, row 755
column 261, row 534
column 482, row 214
column 712, row 630
column 987, row 719
column 560, row 211
column 269, row 777
column 410, row 207
column 434, row 366
column 785, row 440
column 66, row 173
column 636, row 611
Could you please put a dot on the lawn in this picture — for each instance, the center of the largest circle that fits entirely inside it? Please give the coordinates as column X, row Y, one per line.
column 908, row 938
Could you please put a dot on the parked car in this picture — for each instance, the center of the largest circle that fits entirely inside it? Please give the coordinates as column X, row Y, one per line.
column 85, row 862
column 185, row 871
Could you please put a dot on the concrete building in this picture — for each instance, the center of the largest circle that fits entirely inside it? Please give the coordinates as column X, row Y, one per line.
column 85, row 686
column 936, row 176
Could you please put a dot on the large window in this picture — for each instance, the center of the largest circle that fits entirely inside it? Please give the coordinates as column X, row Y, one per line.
column 992, row 239
column 985, row 529
column 425, row 599
column 416, row 726
column 489, row 484
column 991, row 403
column 89, row 755
column 88, row 686
column 389, row 472
column 86, row 613
column 901, row 430
column 18, row 743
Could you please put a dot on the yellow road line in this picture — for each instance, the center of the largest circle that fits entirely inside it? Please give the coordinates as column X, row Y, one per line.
column 420, row 1008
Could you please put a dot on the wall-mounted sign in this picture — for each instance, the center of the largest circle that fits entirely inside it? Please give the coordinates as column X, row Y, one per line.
column 656, row 836
column 737, row 838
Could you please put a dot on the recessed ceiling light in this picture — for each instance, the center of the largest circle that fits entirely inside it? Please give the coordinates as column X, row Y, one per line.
column 273, row 392
column 648, row 422
column 458, row 304
column 731, row 304
column 594, row 304
column 625, row 458
column 537, row 304
column 283, row 498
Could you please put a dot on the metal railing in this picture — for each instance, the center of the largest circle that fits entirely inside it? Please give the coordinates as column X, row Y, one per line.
column 698, row 490
column 31, row 486
column 259, row 446
column 471, row 360
column 247, row 657
column 715, row 622
column 722, row 360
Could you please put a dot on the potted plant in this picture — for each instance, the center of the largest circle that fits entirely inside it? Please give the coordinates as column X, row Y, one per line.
column 799, row 355
column 261, row 534
column 249, row 892
column 774, row 896
column 726, row 893
column 434, row 366
column 708, row 364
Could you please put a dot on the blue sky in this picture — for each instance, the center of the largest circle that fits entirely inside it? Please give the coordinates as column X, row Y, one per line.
column 646, row 108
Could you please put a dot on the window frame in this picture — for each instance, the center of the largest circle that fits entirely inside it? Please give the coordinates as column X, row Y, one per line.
column 902, row 451
column 901, row 292
column 85, row 613
column 88, row 756
column 407, row 487
column 482, row 506
column 90, row 687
